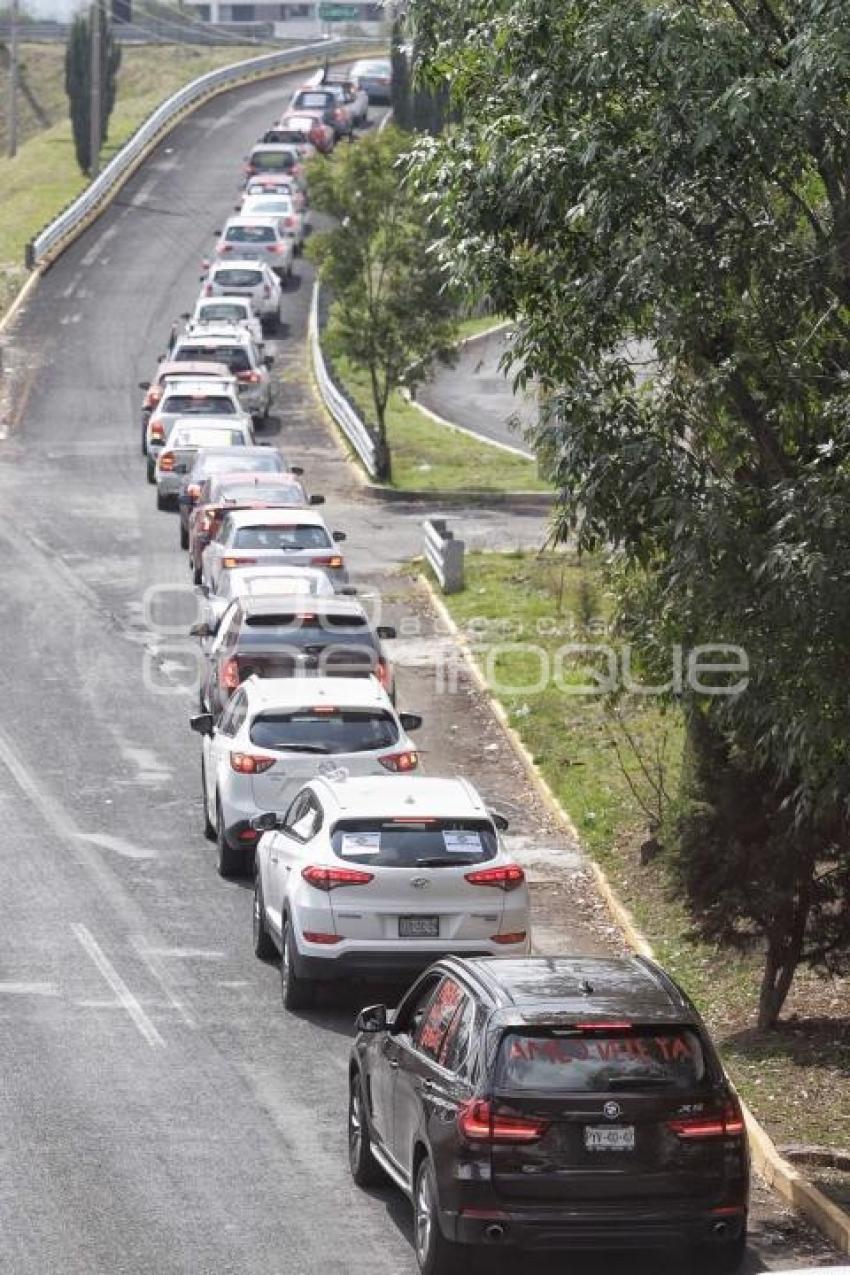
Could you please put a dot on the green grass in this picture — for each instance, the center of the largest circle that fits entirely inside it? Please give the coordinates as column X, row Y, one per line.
column 431, row 457
column 471, row 327
column 795, row 1078
column 43, row 177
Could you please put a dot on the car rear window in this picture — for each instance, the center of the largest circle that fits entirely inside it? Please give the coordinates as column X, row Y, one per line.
column 326, row 730
column 269, row 586
column 199, row 404
column 411, row 843
column 278, row 204
column 273, row 161
column 238, row 278
column 297, row 536
column 205, row 437
column 573, row 1061
column 249, row 234
column 285, row 494
column 233, row 355
column 228, row 311
column 314, row 101
column 267, row 462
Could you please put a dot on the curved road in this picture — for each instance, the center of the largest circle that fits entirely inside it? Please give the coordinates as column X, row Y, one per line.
column 159, row 1114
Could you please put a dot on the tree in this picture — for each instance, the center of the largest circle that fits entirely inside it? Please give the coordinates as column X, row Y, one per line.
column 392, row 312
column 678, row 176
column 78, row 81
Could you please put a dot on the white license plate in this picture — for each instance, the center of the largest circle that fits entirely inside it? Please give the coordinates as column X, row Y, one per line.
column 418, row 927
column 609, row 1138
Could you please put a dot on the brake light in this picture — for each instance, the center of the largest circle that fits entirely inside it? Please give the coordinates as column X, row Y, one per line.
column 317, row 936
column 158, row 432
column 328, row 879
column 278, row 249
column 400, row 762
column 289, row 221
column 610, row 1026
column 245, row 763
column 382, row 673
column 166, row 461
column 478, row 1122
column 507, row 878
column 728, row 1123
column 249, row 378
column 228, row 674
column 333, row 561
column 238, row 562
column 193, row 491
column 518, row 936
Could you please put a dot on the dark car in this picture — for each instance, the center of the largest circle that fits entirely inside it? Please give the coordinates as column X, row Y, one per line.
column 218, row 494
column 219, row 460
column 328, row 637
column 566, row 1103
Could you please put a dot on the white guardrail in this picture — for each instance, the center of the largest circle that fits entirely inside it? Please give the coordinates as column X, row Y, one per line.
column 444, row 554
column 354, row 429
column 67, row 221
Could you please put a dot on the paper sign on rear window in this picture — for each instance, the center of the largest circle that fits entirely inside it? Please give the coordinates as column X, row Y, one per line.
column 462, row 842
column 360, row 843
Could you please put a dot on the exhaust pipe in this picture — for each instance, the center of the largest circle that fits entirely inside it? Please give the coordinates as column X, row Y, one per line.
column 719, row 1230
column 494, row 1232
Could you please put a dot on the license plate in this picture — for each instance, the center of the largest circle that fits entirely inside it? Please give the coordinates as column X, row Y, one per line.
column 418, row 927
column 609, row 1138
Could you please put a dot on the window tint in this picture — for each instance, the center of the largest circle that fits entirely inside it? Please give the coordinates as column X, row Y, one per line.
column 250, row 234
column 338, row 731
column 270, row 161
column 314, row 101
column 645, row 1057
column 233, row 715
column 285, row 494
column 455, row 1050
column 431, row 1032
column 238, row 278
column 296, row 536
column 198, row 405
column 398, row 843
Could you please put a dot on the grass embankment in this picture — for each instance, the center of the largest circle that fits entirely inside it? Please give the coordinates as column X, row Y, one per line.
column 43, row 177
column 431, row 457
column 472, row 327
column 796, row 1078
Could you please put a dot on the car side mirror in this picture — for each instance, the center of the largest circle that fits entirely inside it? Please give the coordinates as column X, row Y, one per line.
column 201, row 630
column 349, row 590
column 386, row 631
column 410, row 721
column 268, row 360
column 317, row 500
column 267, row 822
column 203, row 723
column 296, row 469
column 144, row 385
column 339, row 536
column 372, row 1019
column 500, row 821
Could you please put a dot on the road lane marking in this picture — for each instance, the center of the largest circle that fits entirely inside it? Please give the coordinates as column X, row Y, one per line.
column 122, row 992
column 28, row 989
column 94, row 252
column 117, row 845
column 164, row 979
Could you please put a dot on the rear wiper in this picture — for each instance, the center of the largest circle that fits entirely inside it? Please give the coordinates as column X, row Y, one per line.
column 302, row 748
column 638, row 1082
column 443, row 862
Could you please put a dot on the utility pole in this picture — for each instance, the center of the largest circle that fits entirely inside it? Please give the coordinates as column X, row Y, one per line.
column 94, row 123
column 13, row 80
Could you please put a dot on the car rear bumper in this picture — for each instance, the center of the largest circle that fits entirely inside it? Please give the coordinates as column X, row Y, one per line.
column 169, row 484
column 377, row 965
column 566, row 1228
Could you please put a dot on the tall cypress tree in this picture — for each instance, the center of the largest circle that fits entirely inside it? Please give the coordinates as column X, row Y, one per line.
column 78, row 81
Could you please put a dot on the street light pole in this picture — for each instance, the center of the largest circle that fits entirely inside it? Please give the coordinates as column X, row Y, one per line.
column 94, row 107
column 13, row 80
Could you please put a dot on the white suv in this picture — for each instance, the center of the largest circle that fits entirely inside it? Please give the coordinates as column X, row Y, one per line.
column 275, row 734
column 251, row 279
column 198, row 397
column 379, row 877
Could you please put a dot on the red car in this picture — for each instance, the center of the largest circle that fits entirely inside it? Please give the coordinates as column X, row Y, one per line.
column 312, row 127
column 224, row 493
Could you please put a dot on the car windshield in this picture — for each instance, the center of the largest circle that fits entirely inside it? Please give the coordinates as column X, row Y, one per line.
column 238, row 278
column 233, row 355
column 573, row 1061
column 285, row 494
column 204, row 437
column 222, row 311
column 296, row 536
column 198, row 404
column 325, row 730
column 411, row 842
column 249, row 234
column 272, row 160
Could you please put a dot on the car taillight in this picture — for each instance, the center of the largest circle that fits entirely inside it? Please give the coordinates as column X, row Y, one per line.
column 193, row 491
column 382, row 673
column 248, row 378
column 278, row 249
column 158, row 432
column 517, row 936
column 319, row 936
column 400, row 761
column 228, row 674
column 478, row 1122
column 224, row 247
column 266, row 291
column 246, row 764
column 328, row 879
column 289, row 221
column 728, row 1123
column 227, row 563
column 166, row 461
column 334, row 560
column 510, row 877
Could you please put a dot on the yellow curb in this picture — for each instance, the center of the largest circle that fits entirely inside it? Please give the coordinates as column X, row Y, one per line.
column 777, row 1172
column 20, row 298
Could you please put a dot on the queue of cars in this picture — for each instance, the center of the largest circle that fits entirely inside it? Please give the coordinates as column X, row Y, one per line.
column 521, row 1103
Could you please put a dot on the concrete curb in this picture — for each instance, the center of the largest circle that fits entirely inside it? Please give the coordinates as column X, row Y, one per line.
column 779, row 1174
column 479, row 336
column 462, row 429
column 476, row 496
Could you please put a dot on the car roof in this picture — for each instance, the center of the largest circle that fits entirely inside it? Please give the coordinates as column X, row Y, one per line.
column 200, row 368
column 536, row 990
column 238, row 263
column 238, row 336
column 255, row 449
column 271, row 572
column 263, row 604
column 204, row 388
column 266, row 147
column 304, row 692
column 245, row 302
column 402, row 796
column 274, row 517
column 249, row 220
column 207, row 423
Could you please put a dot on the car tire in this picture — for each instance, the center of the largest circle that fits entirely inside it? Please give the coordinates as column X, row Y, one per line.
column 435, row 1255
column 161, row 501
column 296, row 993
column 196, row 574
column 151, row 470
column 144, row 439
column 230, row 861
column 209, row 826
column 264, row 948
column 365, row 1170
column 184, row 536
column 723, row 1258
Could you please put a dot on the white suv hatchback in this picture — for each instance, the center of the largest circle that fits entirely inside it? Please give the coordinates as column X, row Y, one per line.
column 379, row 877
column 275, row 734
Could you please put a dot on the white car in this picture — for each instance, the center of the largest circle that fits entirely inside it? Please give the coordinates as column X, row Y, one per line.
column 354, row 97
column 277, row 184
column 210, row 311
column 261, row 238
column 188, row 435
column 381, row 876
column 272, row 537
column 266, row 582
column 199, row 396
column 282, row 206
column 276, row 734
column 233, row 346
column 251, row 279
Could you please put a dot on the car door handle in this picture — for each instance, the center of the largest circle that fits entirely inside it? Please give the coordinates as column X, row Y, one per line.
column 393, row 1062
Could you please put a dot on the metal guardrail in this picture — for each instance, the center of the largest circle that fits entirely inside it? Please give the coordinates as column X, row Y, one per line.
column 40, row 247
column 355, row 430
column 444, row 554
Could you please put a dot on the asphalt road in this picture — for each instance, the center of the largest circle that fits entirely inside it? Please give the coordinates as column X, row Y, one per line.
column 159, row 1113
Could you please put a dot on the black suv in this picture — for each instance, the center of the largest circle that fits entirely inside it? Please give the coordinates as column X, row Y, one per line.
column 563, row 1103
